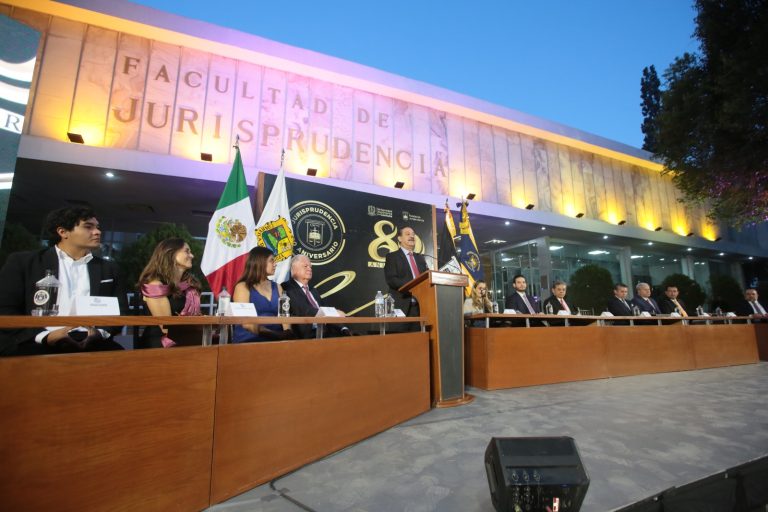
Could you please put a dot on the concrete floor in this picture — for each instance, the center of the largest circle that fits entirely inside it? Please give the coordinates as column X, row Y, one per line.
column 637, row 437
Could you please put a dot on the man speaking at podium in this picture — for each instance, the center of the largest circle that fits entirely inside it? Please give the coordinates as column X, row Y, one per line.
column 402, row 266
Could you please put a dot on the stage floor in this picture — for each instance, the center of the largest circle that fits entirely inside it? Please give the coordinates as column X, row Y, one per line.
column 637, row 436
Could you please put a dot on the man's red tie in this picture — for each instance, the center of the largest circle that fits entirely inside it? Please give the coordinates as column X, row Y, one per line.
column 310, row 297
column 564, row 305
column 412, row 261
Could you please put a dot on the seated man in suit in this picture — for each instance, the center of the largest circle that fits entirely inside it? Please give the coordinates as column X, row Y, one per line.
column 750, row 305
column 75, row 233
column 305, row 301
column 618, row 304
column 557, row 303
column 671, row 304
column 402, row 266
column 519, row 300
column 643, row 299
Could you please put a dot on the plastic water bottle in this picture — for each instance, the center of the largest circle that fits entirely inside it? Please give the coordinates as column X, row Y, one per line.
column 46, row 294
column 390, row 305
column 378, row 305
column 635, row 310
column 495, row 307
column 224, row 300
column 549, row 309
column 718, row 311
column 284, row 305
column 699, row 311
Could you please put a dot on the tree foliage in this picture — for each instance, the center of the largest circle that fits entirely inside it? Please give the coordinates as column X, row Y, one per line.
column 711, row 130
column 590, row 288
column 726, row 292
column 17, row 238
column 135, row 256
column 650, row 93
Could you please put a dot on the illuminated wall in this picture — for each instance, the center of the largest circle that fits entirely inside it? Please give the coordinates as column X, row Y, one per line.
column 126, row 90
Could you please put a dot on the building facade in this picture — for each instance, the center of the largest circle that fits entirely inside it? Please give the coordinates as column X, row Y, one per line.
column 156, row 95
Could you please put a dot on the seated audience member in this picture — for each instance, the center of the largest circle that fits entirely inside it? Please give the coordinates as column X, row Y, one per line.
column 557, row 302
column 254, row 286
column 557, row 299
column 618, row 304
column 168, row 288
column 643, row 299
column 305, row 301
column 670, row 303
column 519, row 300
column 750, row 305
column 75, row 233
column 478, row 302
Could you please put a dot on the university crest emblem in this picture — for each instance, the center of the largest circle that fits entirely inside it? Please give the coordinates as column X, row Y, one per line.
column 231, row 232
column 276, row 236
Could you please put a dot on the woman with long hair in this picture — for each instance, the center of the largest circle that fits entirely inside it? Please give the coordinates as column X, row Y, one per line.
column 478, row 302
column 255, row 286
column 168, row 288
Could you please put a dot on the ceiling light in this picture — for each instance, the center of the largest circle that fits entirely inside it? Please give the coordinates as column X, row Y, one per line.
column 109, row 174
column 206, row 157
column 750, row 258
column 650, row 243
column 399, row 184
column 689, row 249
column 718, row 239
column 690, row 233
column 605, row 237
column 543, row 228
column 75, row 137
column 598, row 251
column 635, row 256
column 470, row 196
column 579, row 215
column 496, row 241
column 622, row 222
column 555, row 247
column 530, row 206
column 506, row 223
column 658, row 228
column 311, row 172
column 721, row 254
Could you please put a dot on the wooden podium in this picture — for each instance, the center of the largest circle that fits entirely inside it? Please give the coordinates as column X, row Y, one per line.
column 441, row 299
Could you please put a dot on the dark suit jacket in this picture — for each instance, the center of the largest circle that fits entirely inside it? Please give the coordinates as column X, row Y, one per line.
column 743, row 308
column 667, row 306
column 17, row 286
column 514, row 301
column 300, row 306
column 555, row 302
column 397, row 272
column 650, row 305
column 618, row 308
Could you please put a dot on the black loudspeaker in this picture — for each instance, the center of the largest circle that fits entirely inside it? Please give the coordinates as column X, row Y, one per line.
column 535, row 474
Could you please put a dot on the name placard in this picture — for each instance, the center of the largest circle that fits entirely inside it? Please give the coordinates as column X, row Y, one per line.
column 241, row 309
column 327, row 311
column 96, row 306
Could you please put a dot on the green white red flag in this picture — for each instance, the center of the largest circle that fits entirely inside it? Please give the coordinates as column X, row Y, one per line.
column 230, row 233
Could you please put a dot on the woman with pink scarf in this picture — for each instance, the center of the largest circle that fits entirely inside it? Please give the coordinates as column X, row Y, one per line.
column 168, row 288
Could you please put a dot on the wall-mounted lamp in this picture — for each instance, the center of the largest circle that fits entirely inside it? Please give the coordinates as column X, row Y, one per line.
column 579, row 215
column 399, row 184
column 470, row 196
column 690, row 233
column 622, row 222
column 530, row 206
column 75, row 137
column 206, row 157
column 718, row 239
column 658, row 228
column 311, row 172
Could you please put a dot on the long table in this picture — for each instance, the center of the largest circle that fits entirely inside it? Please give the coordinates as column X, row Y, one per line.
column 184, row 428
column 507, row 357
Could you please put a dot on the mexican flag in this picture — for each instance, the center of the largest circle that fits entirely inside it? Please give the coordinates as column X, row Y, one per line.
column 230, row 233
column 274, row 230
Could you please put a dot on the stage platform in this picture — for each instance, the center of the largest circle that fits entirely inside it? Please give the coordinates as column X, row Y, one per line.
column 637, row 435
